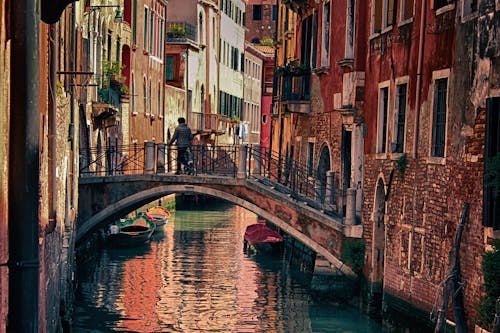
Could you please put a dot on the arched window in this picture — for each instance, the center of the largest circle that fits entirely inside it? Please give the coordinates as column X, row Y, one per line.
column 201, row 29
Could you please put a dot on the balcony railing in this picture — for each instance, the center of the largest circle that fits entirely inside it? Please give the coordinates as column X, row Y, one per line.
column 205, row 122
column 181, row 32
column 294, row 91
column 294, row 87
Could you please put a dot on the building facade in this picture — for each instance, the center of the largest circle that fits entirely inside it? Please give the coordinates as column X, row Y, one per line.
column 398, row 114
column 249, row 128
column 146, row 116
column 260, row 20
column 267, row 95
column 231, row 60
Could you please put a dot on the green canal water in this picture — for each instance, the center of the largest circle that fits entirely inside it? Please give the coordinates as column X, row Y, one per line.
column 195, row 277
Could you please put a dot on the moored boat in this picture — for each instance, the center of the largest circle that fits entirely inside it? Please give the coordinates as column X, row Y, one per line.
column 159, row 214
column 132, row 231
column 260, row 238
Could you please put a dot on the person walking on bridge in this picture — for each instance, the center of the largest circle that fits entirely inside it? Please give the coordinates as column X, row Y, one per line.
column 183, row 137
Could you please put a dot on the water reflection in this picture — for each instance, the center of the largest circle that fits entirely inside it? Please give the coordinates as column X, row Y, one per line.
column 194, row 277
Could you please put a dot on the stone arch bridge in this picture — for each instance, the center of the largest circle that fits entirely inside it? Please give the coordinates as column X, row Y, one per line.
column 105, row 197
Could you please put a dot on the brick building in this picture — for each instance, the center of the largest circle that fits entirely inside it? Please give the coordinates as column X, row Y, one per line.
column 146, row 63
column 260, row 20
column 39, row 166
column 403, row 117
column 320, row 95
column 425, row 144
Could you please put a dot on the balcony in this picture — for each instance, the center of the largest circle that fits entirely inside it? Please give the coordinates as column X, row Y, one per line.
column 294, row 90
column 205, row 123
column 181, row 32
column 106, row 109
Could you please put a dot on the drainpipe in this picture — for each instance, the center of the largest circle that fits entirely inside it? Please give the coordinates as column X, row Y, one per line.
column 24, row 169
column 419, row 77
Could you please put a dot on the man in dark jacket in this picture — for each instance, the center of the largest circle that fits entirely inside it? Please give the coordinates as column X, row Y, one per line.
column 183, row 137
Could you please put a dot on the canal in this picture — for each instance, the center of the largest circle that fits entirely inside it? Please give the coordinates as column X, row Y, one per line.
column 195, row 277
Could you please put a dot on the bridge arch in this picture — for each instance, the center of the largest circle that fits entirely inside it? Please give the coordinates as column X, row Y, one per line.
column 143, row 197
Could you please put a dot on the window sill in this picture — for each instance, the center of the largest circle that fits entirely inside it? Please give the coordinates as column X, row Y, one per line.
column 386, row 29
column 134, row 113
column 405, row 22
column 445, row 9
column 396, row 156
column 436, row 160
column 381, row 156
column 146, row 115
column 321, row 70
column 374, row 35
column 470, row 16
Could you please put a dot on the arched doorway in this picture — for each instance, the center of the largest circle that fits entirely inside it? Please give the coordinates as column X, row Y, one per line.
column 323, row 168
column 378, row 249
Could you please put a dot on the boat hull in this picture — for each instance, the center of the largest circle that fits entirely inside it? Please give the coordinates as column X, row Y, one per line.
column 133, row 232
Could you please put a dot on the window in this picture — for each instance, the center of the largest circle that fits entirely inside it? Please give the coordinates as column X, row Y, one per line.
column 134, row 25
column 145, row 35
column 400, row 117
column 159, row 111
column 306, row 41
column 132, row 92
column 383, row 14
column 145, row 96
column 257, row 12
column 469, row 7
column 275, row 12
column 439, row 118
column 382, row 119
column 310, row 159
column 170, row 68
column 491, row 197
column 407, row 9
column 151, row 32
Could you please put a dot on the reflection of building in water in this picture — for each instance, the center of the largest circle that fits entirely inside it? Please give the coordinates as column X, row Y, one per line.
column 141, row 281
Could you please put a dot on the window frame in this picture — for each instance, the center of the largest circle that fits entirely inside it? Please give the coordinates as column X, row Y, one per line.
column 403, row 81
column 257, row 14
column 382, row 128
column 436, row 76
column 402, row 8
column 325, row 34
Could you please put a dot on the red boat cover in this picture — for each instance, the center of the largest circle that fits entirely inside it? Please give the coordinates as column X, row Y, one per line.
column 260, row 233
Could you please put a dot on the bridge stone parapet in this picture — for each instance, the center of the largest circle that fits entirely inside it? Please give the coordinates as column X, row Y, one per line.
column 105, row 198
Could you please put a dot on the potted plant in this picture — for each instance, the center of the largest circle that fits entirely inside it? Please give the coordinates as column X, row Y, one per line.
column 293, row 67
column 176, row 31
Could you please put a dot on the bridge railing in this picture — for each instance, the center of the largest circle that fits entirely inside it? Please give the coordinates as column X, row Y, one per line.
column 158, row 158
column 296, row 179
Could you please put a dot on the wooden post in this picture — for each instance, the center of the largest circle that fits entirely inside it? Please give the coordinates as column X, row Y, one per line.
column 453, row 284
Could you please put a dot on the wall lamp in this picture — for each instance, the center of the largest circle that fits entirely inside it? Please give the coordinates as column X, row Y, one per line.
column 118, row 15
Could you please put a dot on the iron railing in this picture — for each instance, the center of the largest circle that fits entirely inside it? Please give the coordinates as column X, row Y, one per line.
column 290, row 177
column 157, row 158
column 293, row 178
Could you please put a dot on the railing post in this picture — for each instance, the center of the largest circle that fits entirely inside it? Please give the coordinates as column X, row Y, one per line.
column 257, row 158
column 317, row 190
column 350, row 214
column 149, row 157
column 330, row 191
column 160, row 155
column 242, row 162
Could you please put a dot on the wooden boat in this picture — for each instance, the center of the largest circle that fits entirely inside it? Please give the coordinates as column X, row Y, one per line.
column 159, row 214
column 132, row 231
column 262, row 239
